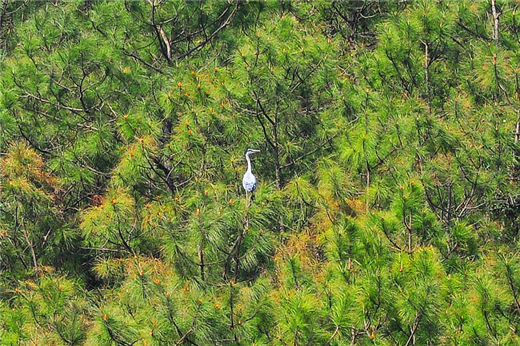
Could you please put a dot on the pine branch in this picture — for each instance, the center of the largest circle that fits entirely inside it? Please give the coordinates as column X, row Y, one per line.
column 411, row 339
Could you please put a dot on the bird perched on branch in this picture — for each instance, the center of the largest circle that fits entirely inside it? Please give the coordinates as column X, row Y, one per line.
column 249, row 180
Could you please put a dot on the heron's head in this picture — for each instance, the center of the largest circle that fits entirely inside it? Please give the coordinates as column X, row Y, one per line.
column 252, row 151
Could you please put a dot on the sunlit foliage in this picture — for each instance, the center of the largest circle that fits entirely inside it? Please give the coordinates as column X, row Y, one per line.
column 387, row 209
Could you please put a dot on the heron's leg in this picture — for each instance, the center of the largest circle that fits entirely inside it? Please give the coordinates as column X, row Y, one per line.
column 248, row 204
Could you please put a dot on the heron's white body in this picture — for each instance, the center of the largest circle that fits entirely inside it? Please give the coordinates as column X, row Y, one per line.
column 249, row 180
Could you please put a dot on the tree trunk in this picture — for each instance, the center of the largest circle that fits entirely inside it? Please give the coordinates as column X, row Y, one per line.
column 496, row 15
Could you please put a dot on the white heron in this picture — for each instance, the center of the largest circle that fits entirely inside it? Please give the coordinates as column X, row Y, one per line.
column 249, row 180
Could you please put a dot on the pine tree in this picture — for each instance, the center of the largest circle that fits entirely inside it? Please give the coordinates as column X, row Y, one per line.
column 387, row 205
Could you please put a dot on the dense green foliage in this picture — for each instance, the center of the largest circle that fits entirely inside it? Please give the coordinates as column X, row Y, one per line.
column 388, row 206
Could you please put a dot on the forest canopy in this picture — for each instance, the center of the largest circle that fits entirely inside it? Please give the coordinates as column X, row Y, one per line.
column 387, row 206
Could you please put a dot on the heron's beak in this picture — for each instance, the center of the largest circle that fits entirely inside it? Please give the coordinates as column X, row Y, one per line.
column 255, row 151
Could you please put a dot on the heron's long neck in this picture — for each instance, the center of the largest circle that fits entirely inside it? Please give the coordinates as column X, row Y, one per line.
column 248, row 163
